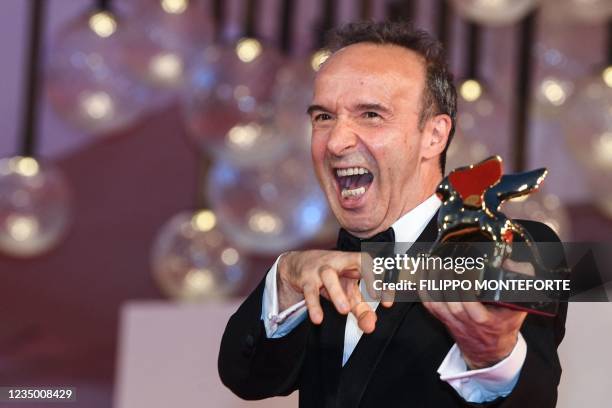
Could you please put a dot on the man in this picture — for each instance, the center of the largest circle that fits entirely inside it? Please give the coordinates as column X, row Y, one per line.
column 383, row 115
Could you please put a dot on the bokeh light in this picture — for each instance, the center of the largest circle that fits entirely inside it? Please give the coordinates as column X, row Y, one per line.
column 606, row 75
column 478, row 131
column 35, row 207
column 270, row 207
column 494, row 12
column 470, row 90
column 248, row 49
column 103, row 23
column 587, row 122
column 232, row 107
column 541, row 207
column 192, row 260
column 162, row 37
column 583, row 11
column 86, row 80
column 174, row 6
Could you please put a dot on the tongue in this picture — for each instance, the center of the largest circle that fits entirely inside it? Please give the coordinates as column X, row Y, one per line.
column 359, row 180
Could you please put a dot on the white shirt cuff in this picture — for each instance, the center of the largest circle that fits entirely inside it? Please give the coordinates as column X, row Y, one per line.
column 279, row 324
column 485, row 384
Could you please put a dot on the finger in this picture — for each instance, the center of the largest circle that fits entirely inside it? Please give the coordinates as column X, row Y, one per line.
column 477, row 312
column 525, row 268
column 424, row 275
column 457, row 310
column 471, row 295
column 426, row 299
column 347, row 263
column 434, row 302
column 389, row 299
column 504, row 312
column 330, row 280
column 368, row 276
column 311, row 296
column 387, row 294
column 323, row 292
column 424, row 295
column 454, row 299
column 366, row 317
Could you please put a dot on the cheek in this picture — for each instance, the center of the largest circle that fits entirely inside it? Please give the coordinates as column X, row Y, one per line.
column 390, row 149
column 317, row 151
column 396, row 159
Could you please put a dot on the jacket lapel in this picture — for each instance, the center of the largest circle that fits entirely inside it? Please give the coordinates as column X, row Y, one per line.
column 359, row 368
column 331, row 343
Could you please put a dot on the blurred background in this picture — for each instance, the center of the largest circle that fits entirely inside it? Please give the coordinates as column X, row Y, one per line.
column 154, row 159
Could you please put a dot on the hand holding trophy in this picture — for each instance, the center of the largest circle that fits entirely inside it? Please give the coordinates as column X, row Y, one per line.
column 470, row 219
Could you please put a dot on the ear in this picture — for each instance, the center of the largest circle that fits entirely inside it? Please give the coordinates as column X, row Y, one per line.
column 435, row 135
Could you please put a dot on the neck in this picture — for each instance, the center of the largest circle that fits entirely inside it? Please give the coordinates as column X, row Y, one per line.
column 428, row 181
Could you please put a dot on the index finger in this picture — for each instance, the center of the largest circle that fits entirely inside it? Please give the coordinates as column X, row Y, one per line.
column 348, row 264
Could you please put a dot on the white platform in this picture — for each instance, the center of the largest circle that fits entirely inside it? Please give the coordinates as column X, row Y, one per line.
column 168, row 357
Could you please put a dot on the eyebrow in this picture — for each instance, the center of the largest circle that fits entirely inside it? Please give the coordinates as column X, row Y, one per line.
column 359, row 107
column 372, row 107
column 313, row 108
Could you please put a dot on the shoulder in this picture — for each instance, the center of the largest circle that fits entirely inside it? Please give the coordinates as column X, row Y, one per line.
column 539, row 231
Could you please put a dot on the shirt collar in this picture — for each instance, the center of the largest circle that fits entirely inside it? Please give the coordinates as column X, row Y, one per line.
column 410, row 226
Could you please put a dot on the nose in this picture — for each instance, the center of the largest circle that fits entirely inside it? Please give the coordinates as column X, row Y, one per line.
column 342, row 138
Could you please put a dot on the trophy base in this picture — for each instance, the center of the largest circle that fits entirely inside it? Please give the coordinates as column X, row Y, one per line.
column 537, row 302
column 548, row 309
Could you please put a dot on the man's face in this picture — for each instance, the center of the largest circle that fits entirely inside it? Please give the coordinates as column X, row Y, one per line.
column 366, row 143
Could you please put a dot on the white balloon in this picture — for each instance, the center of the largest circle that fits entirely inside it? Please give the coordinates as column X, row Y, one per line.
column 269, row 207
column 477, row 133
column 35, row 207
column 248, row 109
column 86, row 80
column 192, row 260
column 494, row 12
column 588, row 11
column 603, row 198
column 542, row 207
column 587, row 122
column 161, row 39
column 231, row 104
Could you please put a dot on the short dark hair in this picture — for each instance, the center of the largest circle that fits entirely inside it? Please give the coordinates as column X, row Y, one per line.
column 440, row 95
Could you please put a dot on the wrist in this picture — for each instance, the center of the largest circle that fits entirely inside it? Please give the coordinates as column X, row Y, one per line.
column 481, row 360
column 287, row 296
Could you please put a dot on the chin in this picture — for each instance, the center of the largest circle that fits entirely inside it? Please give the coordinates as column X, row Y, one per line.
column 358, row 223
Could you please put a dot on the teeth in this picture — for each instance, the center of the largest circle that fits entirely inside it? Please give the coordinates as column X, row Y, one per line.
column 354, row 192
column 351, row 171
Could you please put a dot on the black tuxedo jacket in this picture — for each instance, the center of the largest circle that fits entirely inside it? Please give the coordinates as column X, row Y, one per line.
column 395, row 366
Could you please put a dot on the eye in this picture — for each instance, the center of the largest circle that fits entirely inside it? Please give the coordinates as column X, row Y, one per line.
column 322, row 116
column 371, row 115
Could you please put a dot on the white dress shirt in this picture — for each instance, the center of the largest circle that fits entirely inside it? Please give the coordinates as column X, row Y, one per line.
column 481, row 385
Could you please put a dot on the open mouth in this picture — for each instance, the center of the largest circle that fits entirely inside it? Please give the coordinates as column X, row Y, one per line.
column 353, row 182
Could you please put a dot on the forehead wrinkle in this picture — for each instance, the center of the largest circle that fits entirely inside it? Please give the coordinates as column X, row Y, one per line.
column 400, row 76
column 343, row 89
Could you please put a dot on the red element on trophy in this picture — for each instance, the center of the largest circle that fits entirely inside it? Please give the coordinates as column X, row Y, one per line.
column 470, row 213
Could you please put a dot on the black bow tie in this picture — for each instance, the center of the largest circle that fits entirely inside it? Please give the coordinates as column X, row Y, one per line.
column 350, row 243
